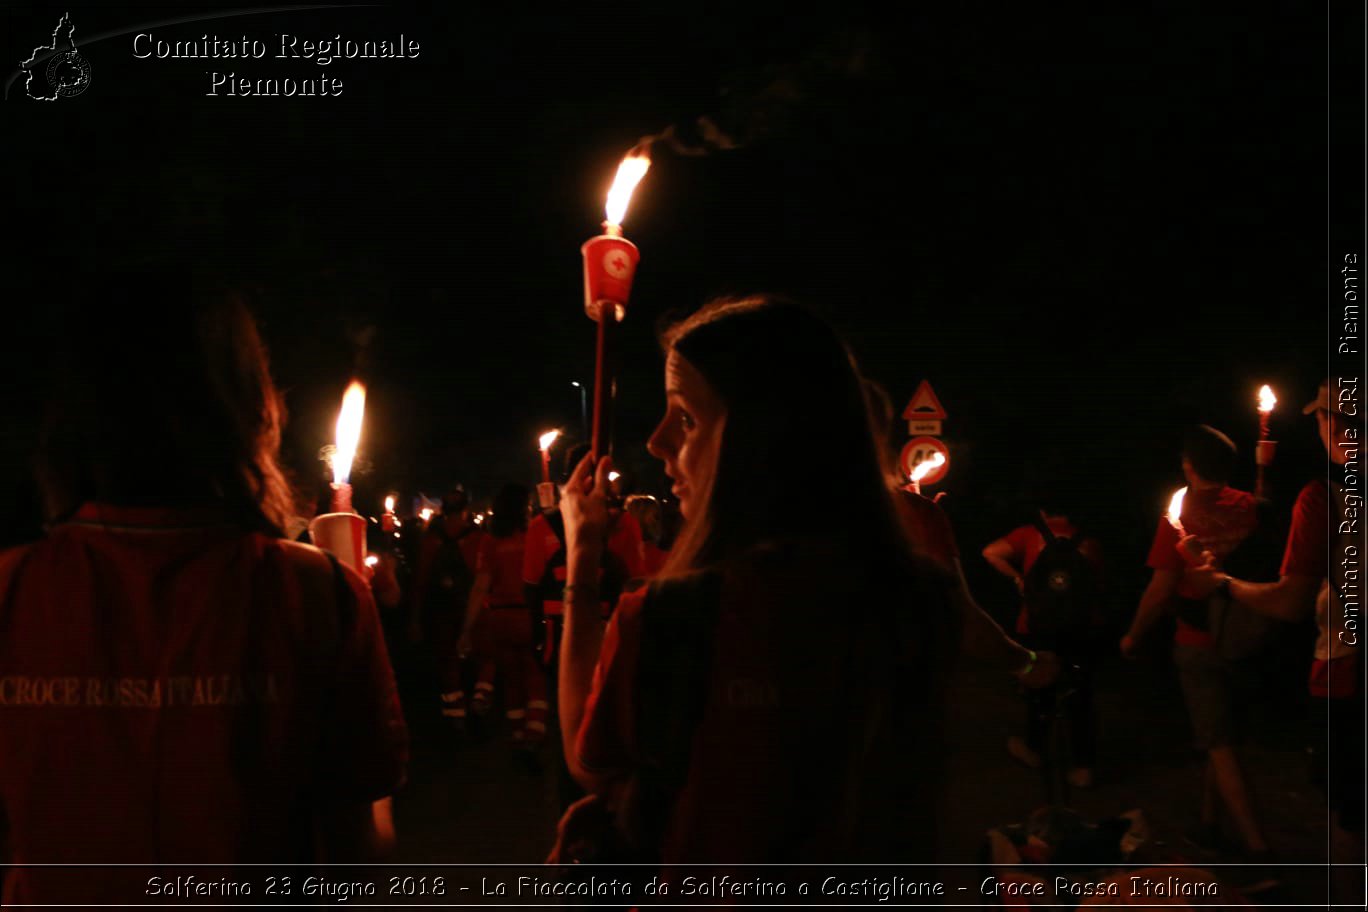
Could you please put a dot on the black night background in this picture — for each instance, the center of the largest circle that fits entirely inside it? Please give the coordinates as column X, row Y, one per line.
column 1086, row 233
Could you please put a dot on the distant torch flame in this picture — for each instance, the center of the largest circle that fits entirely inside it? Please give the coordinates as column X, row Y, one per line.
column 372, row 560
column 629, row 174
column 425, row 514
column 1175, row 509
column 1266, row 399
column 389, row 504
column 348, row 431
column 613, row 476
column 545, row 440
column 928, row 465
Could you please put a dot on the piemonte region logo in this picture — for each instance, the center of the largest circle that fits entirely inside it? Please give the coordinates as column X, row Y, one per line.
column 67, row 73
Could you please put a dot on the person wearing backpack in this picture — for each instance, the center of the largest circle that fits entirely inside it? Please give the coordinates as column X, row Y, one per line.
column 1057, row 572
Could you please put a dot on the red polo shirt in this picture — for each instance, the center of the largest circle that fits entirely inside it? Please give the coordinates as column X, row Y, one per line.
column 1221, row 519
column 174, row 689
column 1308, row 545
column 502, row 559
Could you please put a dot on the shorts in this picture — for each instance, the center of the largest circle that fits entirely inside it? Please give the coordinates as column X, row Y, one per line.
column 1207, row 691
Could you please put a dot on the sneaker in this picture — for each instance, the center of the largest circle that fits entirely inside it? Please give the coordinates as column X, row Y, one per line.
column 1021, row 752
column 1080, row 777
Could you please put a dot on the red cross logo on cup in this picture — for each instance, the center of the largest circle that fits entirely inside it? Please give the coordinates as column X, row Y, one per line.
column 616, row 264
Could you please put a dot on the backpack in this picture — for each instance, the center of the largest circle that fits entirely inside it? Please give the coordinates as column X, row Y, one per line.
column 1063, row 587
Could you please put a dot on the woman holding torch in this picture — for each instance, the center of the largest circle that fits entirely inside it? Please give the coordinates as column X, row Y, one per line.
column 775, row 696
column 200, row 690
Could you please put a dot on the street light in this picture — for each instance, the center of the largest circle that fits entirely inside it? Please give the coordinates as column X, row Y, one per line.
column 584, row 407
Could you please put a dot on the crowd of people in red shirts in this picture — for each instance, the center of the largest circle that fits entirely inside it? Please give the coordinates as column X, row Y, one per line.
column 710, row 657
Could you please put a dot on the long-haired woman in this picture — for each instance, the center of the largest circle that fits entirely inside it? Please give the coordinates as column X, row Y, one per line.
column 776, row 695
column 178, row 683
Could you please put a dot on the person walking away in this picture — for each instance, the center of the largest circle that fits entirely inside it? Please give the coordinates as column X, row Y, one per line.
column 1218, row 518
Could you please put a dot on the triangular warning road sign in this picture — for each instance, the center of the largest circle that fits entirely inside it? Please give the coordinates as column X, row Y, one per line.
column 924, row 405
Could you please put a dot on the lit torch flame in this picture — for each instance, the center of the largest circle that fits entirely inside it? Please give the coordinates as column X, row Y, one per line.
column 545, row 440
column 927, row 466
column 1175, row 509
column 613, row 476
column 1266, row 399
column 425, row 514
column 389, row 504
column 372, row 560
column 629, row 174
column 348, row 431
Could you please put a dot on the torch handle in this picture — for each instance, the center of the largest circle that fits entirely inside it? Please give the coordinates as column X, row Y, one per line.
column 603, row 382
column 341, row 497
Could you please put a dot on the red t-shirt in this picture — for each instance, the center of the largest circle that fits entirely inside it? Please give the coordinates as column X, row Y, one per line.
column 788, row 698
column 1308, row 545
column 470, row 545
column 173, row 689
column 1333, row 669
column 1027, row 542
column 502, row 559
column 1221, row 519
column 626, row 542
